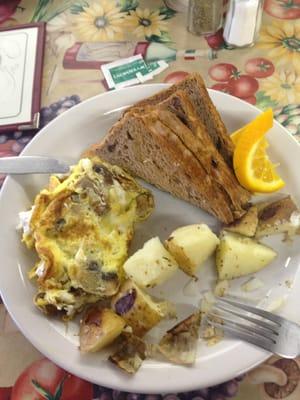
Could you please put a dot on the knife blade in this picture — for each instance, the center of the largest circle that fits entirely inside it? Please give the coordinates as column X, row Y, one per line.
column 32, row 165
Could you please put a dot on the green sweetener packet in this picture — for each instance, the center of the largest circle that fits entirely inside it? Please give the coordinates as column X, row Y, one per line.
column 130, row 71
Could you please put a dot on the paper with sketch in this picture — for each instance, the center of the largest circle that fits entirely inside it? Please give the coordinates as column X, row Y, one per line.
column 17, row 68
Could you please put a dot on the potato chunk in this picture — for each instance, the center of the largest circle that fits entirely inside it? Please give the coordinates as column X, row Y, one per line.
column 239, row 255
column 179, row 344
column 138, row 309
column 99, row 328
column 130, row 354
column 246, row 225
column 191, row 245
column 151, row 265
column 280, row 216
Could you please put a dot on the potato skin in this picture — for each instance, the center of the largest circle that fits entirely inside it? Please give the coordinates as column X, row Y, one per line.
column 239, row 255
column 137, row 308
column 178, row 253
column 130, row 354
column 246, row 225
column 99, row 328
column 279, row 216
column 179, row 344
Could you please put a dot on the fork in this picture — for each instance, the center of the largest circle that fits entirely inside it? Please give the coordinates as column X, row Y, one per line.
column 256, row 326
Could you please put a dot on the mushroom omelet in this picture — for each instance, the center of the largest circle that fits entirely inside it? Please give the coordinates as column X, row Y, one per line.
column 81, row 227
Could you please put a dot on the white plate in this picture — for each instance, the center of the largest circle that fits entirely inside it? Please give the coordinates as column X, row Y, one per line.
column 66, row 137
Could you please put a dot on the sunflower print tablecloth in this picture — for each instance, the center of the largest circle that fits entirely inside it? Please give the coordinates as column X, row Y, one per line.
column 83, row 34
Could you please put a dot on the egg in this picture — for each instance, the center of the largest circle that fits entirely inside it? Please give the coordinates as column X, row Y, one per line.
column 81, row 227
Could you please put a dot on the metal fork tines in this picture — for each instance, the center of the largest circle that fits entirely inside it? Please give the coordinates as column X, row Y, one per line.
column 256, row 326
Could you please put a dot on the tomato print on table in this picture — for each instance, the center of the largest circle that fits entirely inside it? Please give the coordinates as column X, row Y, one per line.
column 5, row 393
column 44, row 380
column 234, row 82
column 243, row 86
column 216, row 40
column 250, row 99
column 7, row 10
column 175, row 77
column 222, row 87
column 222, row 72
column 259, row 67
column 283, row 9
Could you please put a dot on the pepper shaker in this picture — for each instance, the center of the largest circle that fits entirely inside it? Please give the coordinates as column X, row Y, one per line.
column 204, row 16
column 242, row 23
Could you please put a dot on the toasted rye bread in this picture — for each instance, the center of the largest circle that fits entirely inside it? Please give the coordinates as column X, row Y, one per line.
column 198, row 141
column 211, row 162
column 145, row 146
column 194, row 87
column 164, row 141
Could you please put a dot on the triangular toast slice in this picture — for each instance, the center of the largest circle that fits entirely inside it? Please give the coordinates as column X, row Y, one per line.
column 198, row 141
column 193, row 134
column 146, row 147
column 194, row 88
column 210, row 161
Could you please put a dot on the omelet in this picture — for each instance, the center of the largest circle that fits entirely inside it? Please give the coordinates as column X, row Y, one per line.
column 81, row 226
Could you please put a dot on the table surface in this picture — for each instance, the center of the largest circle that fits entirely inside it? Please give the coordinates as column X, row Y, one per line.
column 266, row 75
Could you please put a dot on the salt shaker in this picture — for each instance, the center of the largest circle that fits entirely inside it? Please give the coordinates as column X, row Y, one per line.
column 243, row 21
column 204, row 16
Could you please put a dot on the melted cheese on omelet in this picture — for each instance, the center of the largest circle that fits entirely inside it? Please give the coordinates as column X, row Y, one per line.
column 81, row 227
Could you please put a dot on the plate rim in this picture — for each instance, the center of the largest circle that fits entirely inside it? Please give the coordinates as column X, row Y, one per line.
column 260, row 355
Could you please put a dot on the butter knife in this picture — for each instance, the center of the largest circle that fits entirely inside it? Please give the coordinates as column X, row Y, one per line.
column 32, row 165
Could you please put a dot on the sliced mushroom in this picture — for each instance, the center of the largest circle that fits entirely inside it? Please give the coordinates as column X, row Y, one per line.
column 88, row 275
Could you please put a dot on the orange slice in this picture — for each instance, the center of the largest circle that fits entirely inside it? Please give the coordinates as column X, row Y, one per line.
column 252, row 166
column 263, row 122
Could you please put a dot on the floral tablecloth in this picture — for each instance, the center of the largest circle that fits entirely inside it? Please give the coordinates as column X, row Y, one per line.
column 83, row 34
